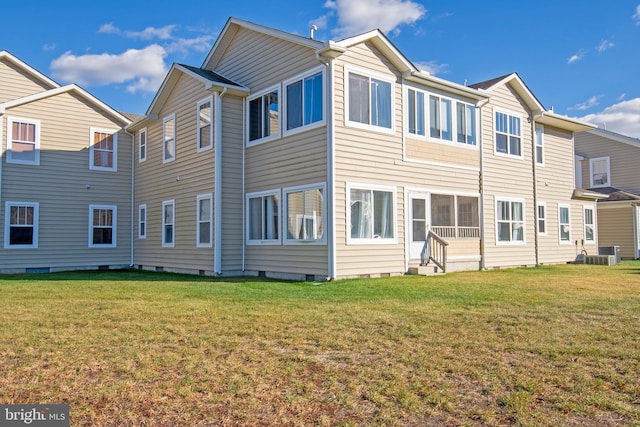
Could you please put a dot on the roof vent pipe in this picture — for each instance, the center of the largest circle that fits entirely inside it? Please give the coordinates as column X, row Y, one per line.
column 313, row 28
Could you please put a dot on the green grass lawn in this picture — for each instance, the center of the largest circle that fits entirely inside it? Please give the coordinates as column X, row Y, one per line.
column 548, row 346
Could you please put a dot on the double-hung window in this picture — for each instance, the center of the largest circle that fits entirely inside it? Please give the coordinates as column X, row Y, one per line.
column 205, row 122
column 104, row 149
column 416, row 109
column 21, row 225
column 369, row 101
column 304, row 101
column 564, row 223
column 440, row 118
column 600, row 172
column 23, row 141
column 102, row 226
column 142, row 145
column 542, row 219
column 142, row 222
column 168, row 223
column 466, row 123
column 508, row 134
column 304, row 212
column 540, row 144
column 589, row 225
column 263, row 220
column 205, row 214
column 264, row 116
column 371, row 213
column 169, row 138
column 510, row 221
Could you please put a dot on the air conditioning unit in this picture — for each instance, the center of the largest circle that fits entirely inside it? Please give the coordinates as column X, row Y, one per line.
column 610, row 250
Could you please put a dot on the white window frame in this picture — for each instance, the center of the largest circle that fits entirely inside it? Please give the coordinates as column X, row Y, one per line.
column 591, row 165
column 539, row 144
column 372, row 241
column 323, row 219
column 561, row 224
column 511, row 221
column 509, row 134
column 370, row 75
column 10, row 159
column 93, row 151
column 8, row 225
column 171, row 203
column 416, row 114
column 199, row 220
column 285, row 115
column 199, row 143
column 142, row 221
column 542, row 205
column 114, row 228
column 142, row 145
column 592, row 225
column 275, row 88
column 261, row 194
column 169, row 138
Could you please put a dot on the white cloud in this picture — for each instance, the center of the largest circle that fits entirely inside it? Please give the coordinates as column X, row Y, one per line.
column 636, row 16
column 183, row 46
column 576, row 56
column 604, row 45
column 142, row 69
column 358, row 16
column 108, row 28
column 623, row 118
column 591, row 102
column 432, row 67
column 150, row 33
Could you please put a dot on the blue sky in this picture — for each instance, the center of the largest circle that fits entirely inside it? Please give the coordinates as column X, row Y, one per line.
column 580, row 58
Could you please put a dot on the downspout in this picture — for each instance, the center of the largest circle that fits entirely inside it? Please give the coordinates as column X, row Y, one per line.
column 133, row 162
column 331, row 174
column 636, row 244
column 217, row 193
column 534, row 167
column 481, row 184
column 2, row 151
column 244, row 219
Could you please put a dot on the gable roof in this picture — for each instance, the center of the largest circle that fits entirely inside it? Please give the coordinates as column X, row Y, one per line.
column 6, row 56
column 635, row 142
column 540, row 114
column 234, row 24
column 72, row 88
column 209, row 79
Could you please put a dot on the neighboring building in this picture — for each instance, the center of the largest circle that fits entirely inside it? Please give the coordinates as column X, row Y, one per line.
column 290, row 157
column 65, row 176
column 607, row 162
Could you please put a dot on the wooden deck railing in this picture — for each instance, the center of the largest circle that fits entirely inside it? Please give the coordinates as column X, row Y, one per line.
column 435, row 249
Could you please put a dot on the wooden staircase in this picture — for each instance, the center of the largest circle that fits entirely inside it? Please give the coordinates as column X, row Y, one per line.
column 433, row 259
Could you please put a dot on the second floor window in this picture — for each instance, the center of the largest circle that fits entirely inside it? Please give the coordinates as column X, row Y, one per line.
column 142, row 145
column 416, row 117
column 264, row 116
column 369, row 101
column 508, row 134
column 539, row 145
column 205, row 128
column 23, row 141
column 600, row 172
column 103, row 151
column 169, row 138
column 304, row 101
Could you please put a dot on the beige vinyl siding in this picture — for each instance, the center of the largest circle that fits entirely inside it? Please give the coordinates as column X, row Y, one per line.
column 427, row 151
column 18, row 84
column 615, row 228
column 623, row 160
column 369, row 157
column 258, row 60
column 555, row 186
column 182, row 180
column 507, row 177
column 59, row 184
column 232, row 196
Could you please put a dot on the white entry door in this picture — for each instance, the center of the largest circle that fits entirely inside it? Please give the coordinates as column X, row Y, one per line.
column 419, row 220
